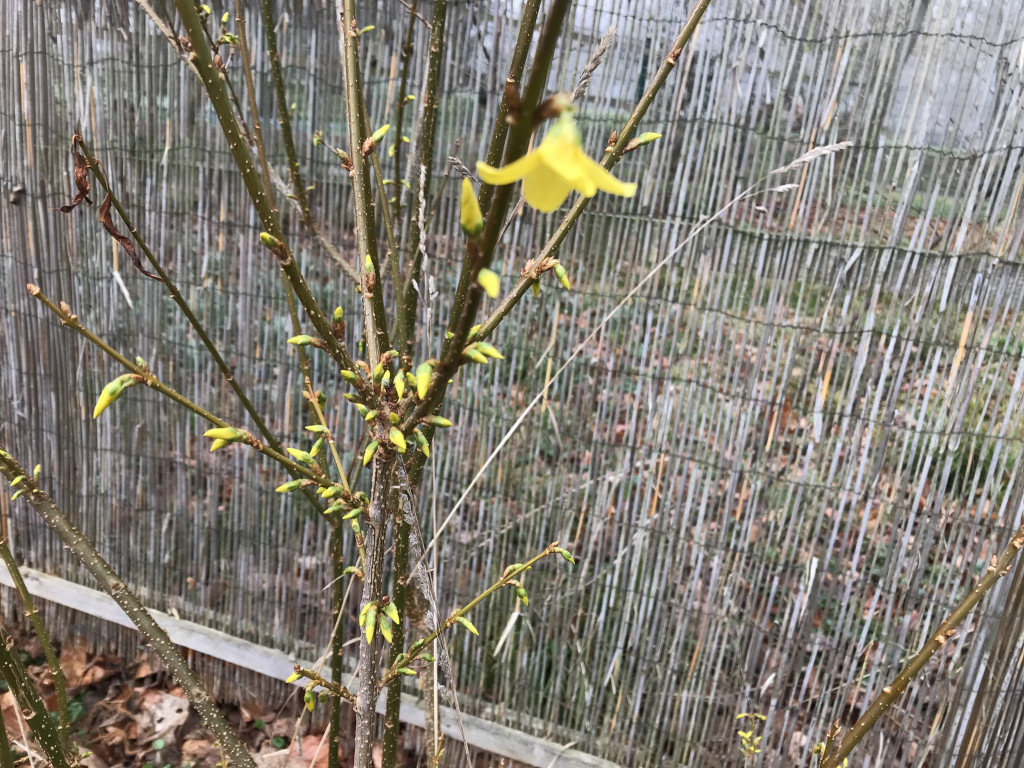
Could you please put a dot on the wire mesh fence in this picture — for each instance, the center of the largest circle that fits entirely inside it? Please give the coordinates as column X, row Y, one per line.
column 779, row 463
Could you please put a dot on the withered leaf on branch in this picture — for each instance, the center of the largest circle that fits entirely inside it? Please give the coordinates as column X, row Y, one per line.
column 108, row 224
column 81, row 182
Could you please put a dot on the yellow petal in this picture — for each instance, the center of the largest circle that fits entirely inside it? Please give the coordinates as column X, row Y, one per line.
column 565, row 161
column 514, row 171
column 608, row 183
column 545, row 190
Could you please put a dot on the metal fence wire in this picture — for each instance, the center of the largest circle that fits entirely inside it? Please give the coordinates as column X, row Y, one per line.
column 779, row 464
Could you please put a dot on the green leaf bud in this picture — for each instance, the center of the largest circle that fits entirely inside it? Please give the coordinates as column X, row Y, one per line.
column 370, row 450
column 228, row 434
column 467, row 624
column 423, row 373
column 301, row 455
column 397, row 439
column 563, row 276
column 489, row 350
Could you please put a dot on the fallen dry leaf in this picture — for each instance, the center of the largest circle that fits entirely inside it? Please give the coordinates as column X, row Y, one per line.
column 160, row 716
column 14, row 722
column 200, row 753
column 81, row 669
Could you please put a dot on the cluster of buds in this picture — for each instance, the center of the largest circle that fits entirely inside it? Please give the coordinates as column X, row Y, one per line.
column 378, row 616
column 20, row 478
column 397, row 393
column 481, row 352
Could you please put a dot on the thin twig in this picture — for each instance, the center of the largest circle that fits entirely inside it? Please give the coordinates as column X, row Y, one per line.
column 946, row 630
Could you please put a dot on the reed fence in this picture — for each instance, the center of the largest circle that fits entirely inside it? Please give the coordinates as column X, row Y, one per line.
column 779, row 464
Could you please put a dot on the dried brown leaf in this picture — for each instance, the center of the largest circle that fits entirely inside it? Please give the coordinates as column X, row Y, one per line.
column 108, row 224
column 81, row 183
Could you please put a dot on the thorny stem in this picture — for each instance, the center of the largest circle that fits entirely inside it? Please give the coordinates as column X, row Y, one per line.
column 375, row 322
column 506, row 577
column 57, row 673
column 77, row 542
column 151, row 381
column 12, row 670
column 946, row 630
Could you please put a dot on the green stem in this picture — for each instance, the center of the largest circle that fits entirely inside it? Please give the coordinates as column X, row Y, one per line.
column 151, row 381
column 235, row 752
column 403, row 88
column 420, row 182
column 309, row 221
column 284, row 120
column 59, row 682
column 261, row 199
column 510, row 573
column 44, row 730
column 401, row 587
column 175, row 294
column 946, row 630
column 375, row 322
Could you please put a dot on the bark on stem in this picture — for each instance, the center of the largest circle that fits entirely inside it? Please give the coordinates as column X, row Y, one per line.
column 77, row 542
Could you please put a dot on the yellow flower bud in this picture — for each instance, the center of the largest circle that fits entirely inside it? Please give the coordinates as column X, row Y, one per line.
column 470, row 218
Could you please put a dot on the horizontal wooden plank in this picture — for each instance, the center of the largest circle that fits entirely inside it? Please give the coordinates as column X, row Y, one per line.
column 479, row 733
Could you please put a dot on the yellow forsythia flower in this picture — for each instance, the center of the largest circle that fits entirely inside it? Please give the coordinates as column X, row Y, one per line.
column 556, row 168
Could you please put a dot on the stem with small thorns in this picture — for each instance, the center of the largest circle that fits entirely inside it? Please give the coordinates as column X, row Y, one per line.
column 236, row 752
column 57, row 673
